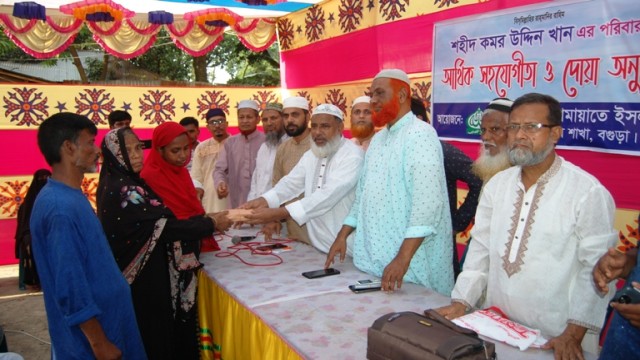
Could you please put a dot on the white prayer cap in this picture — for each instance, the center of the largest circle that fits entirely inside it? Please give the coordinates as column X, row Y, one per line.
column 248, row 104
column 328, row 109
column 394, row 74
column 361, row 99
column 296, row 102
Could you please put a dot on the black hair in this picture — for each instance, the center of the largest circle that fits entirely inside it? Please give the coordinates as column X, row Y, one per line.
column 57, row 129
column 418, row 109
column 118, row 115
column 189, row 120
column 555, row 110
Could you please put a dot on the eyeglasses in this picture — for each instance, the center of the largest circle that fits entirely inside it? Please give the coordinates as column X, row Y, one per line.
column 530, row 128
column 216, row 122
column 495, row 130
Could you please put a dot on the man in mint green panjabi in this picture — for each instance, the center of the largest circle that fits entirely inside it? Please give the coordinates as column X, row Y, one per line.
column 401, row 211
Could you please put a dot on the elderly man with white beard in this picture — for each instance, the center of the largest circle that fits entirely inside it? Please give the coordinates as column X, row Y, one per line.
column 327, row 175
column 542, row 216
column 273, row 128
column 494, row 154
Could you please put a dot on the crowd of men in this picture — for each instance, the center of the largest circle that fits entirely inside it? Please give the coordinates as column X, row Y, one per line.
column 388, row 199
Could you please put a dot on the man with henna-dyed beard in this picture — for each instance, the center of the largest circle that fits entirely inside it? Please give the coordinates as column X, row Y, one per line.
column 401, row 211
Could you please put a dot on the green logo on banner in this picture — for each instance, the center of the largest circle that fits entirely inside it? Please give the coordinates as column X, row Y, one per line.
column 473, row 122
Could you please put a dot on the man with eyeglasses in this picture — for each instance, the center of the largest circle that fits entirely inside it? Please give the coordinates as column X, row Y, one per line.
column 494, row 154
column 204, row 161
column 273, row 128
column 541, row 226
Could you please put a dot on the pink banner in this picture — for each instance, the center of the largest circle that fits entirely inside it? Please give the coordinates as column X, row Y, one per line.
column 404, row 44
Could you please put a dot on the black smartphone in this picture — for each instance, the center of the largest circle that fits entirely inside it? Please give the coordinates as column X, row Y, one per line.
column 627, row 295
column 361, row 288
column 275, row 246
column 320, row 273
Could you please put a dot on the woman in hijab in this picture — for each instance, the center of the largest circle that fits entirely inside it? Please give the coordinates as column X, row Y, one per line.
column 166, row 173
column 27, row 272
column 148, row 243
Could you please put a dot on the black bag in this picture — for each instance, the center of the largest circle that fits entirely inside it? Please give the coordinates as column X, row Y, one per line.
column 407, row 335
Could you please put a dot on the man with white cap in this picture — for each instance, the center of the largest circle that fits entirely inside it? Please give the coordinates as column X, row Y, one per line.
column 237, row 160
column 295, row 115
column 494, row 152
column 362, row 128
column 273, row 128
column 204, row 161
column 401, row 212
column 327, row 174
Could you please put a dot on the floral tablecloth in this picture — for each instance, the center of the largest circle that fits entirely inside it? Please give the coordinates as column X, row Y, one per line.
column 321, row 318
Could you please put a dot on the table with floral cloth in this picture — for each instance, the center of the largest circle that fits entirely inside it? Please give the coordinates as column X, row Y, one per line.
column 273, row 312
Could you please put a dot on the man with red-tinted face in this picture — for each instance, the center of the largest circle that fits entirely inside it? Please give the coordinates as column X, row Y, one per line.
column 401, row 212
column 237, row 160
column 362, row 128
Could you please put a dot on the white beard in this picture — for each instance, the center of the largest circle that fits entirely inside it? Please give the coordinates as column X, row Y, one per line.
column 330, row 148
column 486, row 165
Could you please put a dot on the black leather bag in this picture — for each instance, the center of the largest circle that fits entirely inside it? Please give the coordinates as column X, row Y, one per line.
column 408, row 335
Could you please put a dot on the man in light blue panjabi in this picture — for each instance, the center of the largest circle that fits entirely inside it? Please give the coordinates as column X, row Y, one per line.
column 401, row 212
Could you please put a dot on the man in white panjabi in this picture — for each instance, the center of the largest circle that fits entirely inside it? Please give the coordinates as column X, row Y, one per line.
column 204, row 161
column 327, row 175
column 275, row 135
column 541, row 226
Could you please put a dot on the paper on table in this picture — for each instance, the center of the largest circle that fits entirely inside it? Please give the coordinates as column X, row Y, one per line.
column 494, row 326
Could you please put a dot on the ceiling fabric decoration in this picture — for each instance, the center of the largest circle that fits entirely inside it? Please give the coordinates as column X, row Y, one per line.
column 29, row 10
column 127, row 32
column 195, row 39
column 124, row 39
column 97, row 10
column 261, row 2
column 256, row 34
column 41, row 39
column 214, row 17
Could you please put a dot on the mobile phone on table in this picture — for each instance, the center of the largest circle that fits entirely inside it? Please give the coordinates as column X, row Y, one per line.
column 275, row 246
column 361, row 288
column 320, row 273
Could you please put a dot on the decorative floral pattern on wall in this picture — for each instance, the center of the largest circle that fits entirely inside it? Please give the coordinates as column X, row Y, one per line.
column 630, row 240
column 26, row 106
column 314, row 23
column 306, row 95
column 157, row 106
column 95, row 104
column 264, row 97
column 445, row 3
column 421, row 90
column 349, row 14
column 12, row 194
column 89, row 187
column 392, row 9
column 337, row 98
column 211, row 100
column 285, row 33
